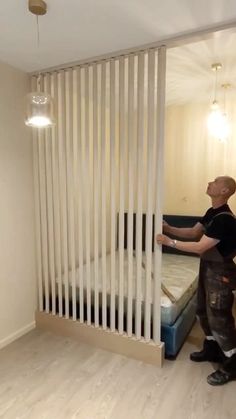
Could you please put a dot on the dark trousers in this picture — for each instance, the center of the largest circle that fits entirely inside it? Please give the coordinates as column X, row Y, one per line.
column 215, row 301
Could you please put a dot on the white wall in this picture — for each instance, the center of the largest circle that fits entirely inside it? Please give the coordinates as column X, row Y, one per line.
column 17, row 252
column 193, row 158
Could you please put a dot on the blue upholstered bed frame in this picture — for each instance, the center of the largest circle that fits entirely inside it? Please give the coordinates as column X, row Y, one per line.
column 174, row 336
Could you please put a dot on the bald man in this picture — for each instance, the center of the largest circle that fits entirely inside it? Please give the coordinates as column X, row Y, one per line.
column 214, row 239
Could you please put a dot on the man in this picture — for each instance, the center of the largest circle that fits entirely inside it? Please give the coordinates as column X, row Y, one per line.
column 215, row 241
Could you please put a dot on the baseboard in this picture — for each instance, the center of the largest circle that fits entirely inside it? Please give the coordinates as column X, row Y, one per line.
column 104, row 339
column 16, row 335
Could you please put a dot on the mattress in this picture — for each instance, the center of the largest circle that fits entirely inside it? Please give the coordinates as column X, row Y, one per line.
column 179, row 275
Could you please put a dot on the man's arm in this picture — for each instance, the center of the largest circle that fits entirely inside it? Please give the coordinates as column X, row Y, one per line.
column 194, row 233
column 204, row 244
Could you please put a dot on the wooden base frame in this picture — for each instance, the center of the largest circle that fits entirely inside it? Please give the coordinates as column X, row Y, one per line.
column 149, row 353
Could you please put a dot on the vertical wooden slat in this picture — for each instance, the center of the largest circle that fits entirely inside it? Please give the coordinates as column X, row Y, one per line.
column 38, row 219
column 112, row 190
column 104, row 194
column 55, row 196
column 56, row 192
column 122, row 141
column 150, row 189
column 63, row 186
column 49, row 188
column 130, row 190
column 44, row 217
column 70, row 185
column 96, row 189
column 91, row 176
column 79, row 191
column 140, row 112
column 161, row 80
column 75, row 187
column 87, row 197
column 37, row 210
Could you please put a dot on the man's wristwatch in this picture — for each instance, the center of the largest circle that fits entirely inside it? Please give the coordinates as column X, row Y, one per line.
column 173, row 243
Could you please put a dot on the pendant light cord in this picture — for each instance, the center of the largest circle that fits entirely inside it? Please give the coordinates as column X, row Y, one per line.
column 224, row 101
column 38, row 44
column 215, row 84
column 38, row 40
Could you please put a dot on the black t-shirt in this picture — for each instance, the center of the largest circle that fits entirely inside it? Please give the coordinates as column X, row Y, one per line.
column 221, row 227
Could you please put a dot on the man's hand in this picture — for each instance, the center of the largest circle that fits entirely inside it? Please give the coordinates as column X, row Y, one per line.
column 163, row 239
column 165, row 226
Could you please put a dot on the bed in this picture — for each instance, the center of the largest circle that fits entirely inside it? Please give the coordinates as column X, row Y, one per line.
column 179, row 275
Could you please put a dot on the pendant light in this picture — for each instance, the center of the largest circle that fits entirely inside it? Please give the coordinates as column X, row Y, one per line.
column 39, row 106
column 217, row 120
column 215, row 113
column 225, row 126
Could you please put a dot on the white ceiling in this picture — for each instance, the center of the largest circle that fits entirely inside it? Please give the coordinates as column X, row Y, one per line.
column 74, row 30
column 189, row 74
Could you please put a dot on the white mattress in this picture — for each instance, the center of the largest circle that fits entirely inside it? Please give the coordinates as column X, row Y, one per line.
column 179, row 275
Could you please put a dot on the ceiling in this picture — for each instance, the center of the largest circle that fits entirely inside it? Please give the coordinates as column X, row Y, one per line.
column 189, row 74
column 74, row 30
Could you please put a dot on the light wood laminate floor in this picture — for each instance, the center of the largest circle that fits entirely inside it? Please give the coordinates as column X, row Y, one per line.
column 47, row 376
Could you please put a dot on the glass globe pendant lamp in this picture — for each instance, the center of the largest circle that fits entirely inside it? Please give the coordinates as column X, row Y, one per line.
column 39, row 104
column 39, row 110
